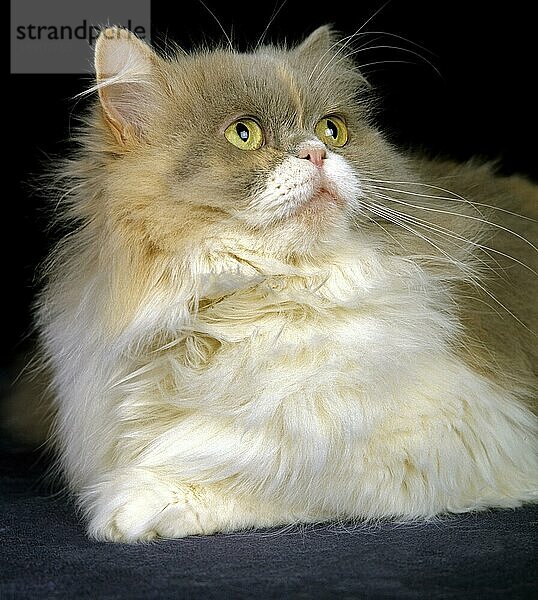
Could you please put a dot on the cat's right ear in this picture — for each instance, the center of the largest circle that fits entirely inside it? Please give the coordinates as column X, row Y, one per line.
column 125, row 69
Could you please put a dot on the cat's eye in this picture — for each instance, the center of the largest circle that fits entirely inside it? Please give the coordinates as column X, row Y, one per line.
column 332, row 131
column 245, row 134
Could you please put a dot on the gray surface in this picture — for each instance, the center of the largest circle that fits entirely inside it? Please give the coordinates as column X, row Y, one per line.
column 44, row 553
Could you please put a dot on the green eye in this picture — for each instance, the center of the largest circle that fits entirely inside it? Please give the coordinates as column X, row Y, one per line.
column 245, row 134
column 332, row 131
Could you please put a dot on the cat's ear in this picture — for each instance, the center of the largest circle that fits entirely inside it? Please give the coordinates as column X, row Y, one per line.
column 318, row 43
column 125, row 69
column 319, row 49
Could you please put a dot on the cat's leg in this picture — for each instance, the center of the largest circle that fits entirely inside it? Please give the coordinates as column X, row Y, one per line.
column 139, row 504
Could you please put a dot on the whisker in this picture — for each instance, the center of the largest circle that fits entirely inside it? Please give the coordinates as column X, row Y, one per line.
column 452, row 234
column 378, row 224
column 228, row 39
column 346, row 40
column 381, row 47
column 485, row 249
column 342, row 42
column 276, row 12
column 396, row 219
column 464, row 216
column 482, row 301
column 456, row 197
column 494, row 298
column 380, row 35
column 452, row 198
column 471, row 276
column 399, row 37
column 442, row 231
column 385, row 62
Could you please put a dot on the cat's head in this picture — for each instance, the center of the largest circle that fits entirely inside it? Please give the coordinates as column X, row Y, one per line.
column 266, row 146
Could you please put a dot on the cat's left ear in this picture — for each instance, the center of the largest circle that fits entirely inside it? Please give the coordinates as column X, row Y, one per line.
column 318, row 43
column 318, row 50
column 125, row 68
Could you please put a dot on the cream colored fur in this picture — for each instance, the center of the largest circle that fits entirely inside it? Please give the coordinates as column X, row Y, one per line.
column 226, row 362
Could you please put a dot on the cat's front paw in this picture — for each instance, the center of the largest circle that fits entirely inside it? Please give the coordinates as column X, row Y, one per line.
column 148, row 508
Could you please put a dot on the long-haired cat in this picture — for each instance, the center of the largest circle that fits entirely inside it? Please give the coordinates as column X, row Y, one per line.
column 266, row 314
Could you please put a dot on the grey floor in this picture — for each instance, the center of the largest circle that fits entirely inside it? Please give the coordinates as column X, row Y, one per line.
column 44, row 553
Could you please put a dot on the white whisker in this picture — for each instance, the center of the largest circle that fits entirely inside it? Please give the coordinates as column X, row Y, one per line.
column 380, row 47
column 465, row 269
column 447, row 233
column 228, row 39
column 346, row 40
column 378, row 224
column 452, row 234
column 396, row 219
column 385, row 62
column 463, row 216
column 454, row 197
column 276, row 12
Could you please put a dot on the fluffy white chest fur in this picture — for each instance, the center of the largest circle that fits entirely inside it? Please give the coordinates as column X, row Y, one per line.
column 302, row 395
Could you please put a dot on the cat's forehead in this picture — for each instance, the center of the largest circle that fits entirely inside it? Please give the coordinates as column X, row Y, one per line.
column 270, row 83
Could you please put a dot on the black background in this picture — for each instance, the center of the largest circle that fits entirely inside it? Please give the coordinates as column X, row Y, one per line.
column 482, row 103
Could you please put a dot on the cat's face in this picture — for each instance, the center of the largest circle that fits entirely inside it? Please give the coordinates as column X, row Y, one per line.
column 270, row 144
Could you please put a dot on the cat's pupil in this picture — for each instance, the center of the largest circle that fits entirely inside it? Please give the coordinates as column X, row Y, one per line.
column 332, row 129
column 242, row 131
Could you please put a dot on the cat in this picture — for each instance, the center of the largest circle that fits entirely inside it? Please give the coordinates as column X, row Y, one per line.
column 266, row 314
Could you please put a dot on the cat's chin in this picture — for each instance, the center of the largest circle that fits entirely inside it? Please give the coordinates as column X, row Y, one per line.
column 323, row 201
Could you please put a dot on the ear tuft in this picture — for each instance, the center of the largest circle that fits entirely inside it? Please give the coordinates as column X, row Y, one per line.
column 124, row 67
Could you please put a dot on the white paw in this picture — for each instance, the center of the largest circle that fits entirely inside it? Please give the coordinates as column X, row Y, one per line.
column 142, row 510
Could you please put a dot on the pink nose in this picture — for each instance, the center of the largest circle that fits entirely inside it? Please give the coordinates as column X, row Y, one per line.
column 315, row 154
